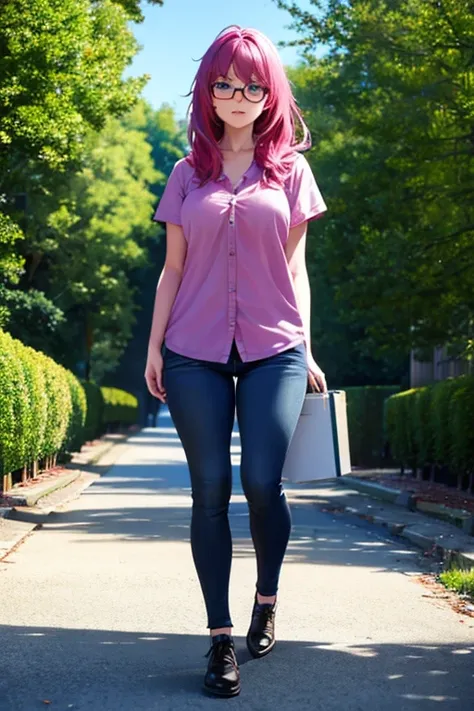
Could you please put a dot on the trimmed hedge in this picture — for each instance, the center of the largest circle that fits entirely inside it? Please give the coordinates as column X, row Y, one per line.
column 119, row 406
column 95, row 410
column 398, row 420
column 365, row 423
column 432, row 426
column 108, row 408
column 76, row 429
column 45, row 410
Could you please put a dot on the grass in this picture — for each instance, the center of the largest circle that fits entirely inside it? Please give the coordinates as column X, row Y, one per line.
column 462, row 581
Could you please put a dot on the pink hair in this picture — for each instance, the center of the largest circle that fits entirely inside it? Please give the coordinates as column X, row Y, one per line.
column 250, row 52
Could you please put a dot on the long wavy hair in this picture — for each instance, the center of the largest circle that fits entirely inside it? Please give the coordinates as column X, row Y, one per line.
column 276, row 144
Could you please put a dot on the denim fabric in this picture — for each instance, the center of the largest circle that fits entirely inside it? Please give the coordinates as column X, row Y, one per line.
column 202, row 398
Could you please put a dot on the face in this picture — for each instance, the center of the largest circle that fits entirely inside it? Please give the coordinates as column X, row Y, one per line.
column 239, row 111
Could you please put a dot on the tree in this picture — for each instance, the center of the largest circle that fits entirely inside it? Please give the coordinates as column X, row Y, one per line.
column 97, row 236
column 168, row 141
column 74, row 183
column 61, row 66
column 392, row 109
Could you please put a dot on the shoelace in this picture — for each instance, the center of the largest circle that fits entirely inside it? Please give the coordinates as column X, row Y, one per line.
column 223, row 651
column 265, row 614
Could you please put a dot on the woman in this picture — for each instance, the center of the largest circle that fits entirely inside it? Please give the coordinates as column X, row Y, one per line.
column 233, row 301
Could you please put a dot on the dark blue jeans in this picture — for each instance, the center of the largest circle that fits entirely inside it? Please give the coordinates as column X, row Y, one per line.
column 202, row 400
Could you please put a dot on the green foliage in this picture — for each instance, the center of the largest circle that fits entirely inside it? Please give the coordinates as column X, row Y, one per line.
column 34, row 419
column 95, row 411
column 433, row 425
column 61, row 72
column 400, row 417
column 461, row 426
column 59, row 405
column 98, row 226
column 462, row 581
column 45, row 410
column 61, row 85
column 75, row 432
column 13, row 407
column 102, row 240
column 119, row 406
column 32, row 317
column 391, row 109
column 77, row 185
column 10, row 263
column 424, row 435
column 441, row 397
column 365, row 423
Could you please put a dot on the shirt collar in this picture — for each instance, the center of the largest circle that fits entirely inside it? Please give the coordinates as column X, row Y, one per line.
column 249, row 173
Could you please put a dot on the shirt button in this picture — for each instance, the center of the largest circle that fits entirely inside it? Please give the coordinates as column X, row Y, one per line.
column 231, row 288
column 232, row 253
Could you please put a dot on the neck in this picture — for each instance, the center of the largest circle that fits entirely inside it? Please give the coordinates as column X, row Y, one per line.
column 237, row 139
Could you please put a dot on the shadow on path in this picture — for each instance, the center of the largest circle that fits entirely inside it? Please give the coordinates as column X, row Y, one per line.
column 114, row 671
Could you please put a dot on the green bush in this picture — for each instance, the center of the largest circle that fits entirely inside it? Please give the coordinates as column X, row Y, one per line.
column 434, row 425
column 13, row 407
column 441, row 397
column 36, row 419
column 462, row 581
column 75, row 433
column 46, row 411
column 365, row 423
column 461, row 427
column 95, row 410
column 400, row 419
column 39, row 402
column 120, row 407
column 107, row 406
column 423, row 428
column 59, row 405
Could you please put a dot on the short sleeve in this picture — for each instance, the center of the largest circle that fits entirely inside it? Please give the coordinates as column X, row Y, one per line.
column 306, row 201
column 169, row 207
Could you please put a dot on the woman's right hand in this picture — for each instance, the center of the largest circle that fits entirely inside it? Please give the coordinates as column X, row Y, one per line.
column 154, row 374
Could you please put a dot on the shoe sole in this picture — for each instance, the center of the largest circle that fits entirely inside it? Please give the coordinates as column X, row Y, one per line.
column 222, row 694
column 258, row 655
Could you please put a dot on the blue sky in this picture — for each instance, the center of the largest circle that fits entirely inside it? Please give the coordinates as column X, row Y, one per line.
column 174, row 35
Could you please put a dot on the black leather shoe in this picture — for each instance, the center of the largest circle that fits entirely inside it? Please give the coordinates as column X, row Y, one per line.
column 261, row 634
column 222, row 676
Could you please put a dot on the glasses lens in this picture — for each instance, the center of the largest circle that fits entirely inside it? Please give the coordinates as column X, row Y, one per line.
column 222, row 90
column 254, row 92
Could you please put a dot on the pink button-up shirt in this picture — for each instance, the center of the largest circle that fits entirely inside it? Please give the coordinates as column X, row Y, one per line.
column 236, row 281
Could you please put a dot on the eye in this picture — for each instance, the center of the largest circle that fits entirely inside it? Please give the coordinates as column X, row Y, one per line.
column 222, row 85
column 255, row 88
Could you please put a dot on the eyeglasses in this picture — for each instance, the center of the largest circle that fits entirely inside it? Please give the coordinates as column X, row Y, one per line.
column 252, row 92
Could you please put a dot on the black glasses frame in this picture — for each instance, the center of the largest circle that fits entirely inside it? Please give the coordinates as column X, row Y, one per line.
column 241, row 89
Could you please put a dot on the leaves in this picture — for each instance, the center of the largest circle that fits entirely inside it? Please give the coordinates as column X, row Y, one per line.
column 391, row 108
column 78, row 182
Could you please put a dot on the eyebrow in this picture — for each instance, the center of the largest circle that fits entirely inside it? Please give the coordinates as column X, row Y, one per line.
column 226, row 76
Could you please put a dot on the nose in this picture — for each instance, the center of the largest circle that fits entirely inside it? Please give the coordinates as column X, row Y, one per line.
column 239, row 96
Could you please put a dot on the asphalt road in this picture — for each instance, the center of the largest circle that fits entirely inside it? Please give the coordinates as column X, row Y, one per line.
column 101, row 608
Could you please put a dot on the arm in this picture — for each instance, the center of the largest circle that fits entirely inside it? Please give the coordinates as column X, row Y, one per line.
column 168, row 284
column 295, row 251
column 295, row 254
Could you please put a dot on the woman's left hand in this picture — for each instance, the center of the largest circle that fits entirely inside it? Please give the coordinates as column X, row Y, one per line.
column 316, row 377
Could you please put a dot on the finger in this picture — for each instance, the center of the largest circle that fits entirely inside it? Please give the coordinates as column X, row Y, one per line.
column 159, row 381
column 322, row 383
column 153, row 388
column 313, row 383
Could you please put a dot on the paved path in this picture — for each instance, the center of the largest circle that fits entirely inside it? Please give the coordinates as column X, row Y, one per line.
column 101, row 609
